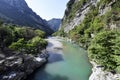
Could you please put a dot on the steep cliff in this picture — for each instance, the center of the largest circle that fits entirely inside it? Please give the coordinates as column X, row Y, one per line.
column 18, row 12
column 94, row 25
column 77, row 11
column 85, row 18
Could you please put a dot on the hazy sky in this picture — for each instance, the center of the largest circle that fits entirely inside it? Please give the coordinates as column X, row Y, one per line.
column 48, row 9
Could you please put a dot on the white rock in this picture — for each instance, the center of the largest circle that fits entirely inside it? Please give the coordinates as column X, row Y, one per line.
column 12, row 75
column 38, row 59
column 99, row 74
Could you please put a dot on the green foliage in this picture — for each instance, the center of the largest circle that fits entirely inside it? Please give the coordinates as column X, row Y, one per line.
column 23, row 39
column 111, row 17
column 6, row 37
column 19, row 45
column 35, row 45
column 73, row 8
column 59, row 33
column 25, row 33
column 105, row 45
column 91, row 24
column 38, row 42
column 1, row 22
column 103, row 2
column 104, row 49
column 32, row 46
column 116, row 5
column 40, row 33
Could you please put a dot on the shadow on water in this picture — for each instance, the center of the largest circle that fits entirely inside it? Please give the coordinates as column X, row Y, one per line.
column 70, row 63
column 43, row 75
column 54, row 57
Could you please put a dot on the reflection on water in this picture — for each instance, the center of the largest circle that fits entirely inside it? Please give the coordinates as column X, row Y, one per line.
column 70, row 63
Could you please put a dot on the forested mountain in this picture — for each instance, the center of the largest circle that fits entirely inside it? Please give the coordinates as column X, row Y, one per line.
column 18, row 12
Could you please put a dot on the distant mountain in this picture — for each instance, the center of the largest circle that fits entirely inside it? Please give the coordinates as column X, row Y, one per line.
column 18, row 12
column 54, row 23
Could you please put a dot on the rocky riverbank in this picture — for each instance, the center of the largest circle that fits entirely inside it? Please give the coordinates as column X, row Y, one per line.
column 19, row 66
column 99, row 74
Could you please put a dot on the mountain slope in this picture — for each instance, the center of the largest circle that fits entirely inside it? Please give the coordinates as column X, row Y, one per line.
column 85, row 18
column 18, row 12
column 54, row 23
column 95, row 25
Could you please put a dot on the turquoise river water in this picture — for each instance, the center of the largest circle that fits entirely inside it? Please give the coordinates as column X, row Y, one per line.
column 69, row 63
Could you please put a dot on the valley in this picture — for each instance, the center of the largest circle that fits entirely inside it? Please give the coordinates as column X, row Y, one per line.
column 82, row 45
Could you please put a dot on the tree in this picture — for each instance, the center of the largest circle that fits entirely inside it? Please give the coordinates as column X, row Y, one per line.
column 38, row 43
column 104, row 49
column 19, row 45
column 1, row 22
column 32, row 46
column 40, row 33
column 26, row 33
column 5, row 37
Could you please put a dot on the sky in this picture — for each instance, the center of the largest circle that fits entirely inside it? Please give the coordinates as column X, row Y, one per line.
column 48, row 9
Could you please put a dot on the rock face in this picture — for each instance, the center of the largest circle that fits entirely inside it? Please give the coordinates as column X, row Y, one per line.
column 78, row 9
column 79, row 15
column 18, row 12
column 83, row 19
column 69, row 24
column 54, row 23
column 19, row 66
column 99, row 74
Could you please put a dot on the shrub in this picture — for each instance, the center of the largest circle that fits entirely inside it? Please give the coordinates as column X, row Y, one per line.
column 104, row 49
column 19, row 45
column 35, row 45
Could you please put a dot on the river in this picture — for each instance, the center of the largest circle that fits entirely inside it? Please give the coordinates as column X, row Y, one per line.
column 67, row 61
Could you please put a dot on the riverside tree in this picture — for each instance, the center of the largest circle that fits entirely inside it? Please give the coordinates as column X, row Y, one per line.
column 105, row 50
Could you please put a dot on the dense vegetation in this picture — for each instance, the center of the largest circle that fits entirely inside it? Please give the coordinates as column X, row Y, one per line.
column 96, row 34
column 73, row 8
column 105, row 50
column 60, row 33
column 21, row 39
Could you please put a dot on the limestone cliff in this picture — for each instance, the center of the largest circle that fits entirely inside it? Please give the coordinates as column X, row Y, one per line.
column 83, row 21
column 78, row 9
